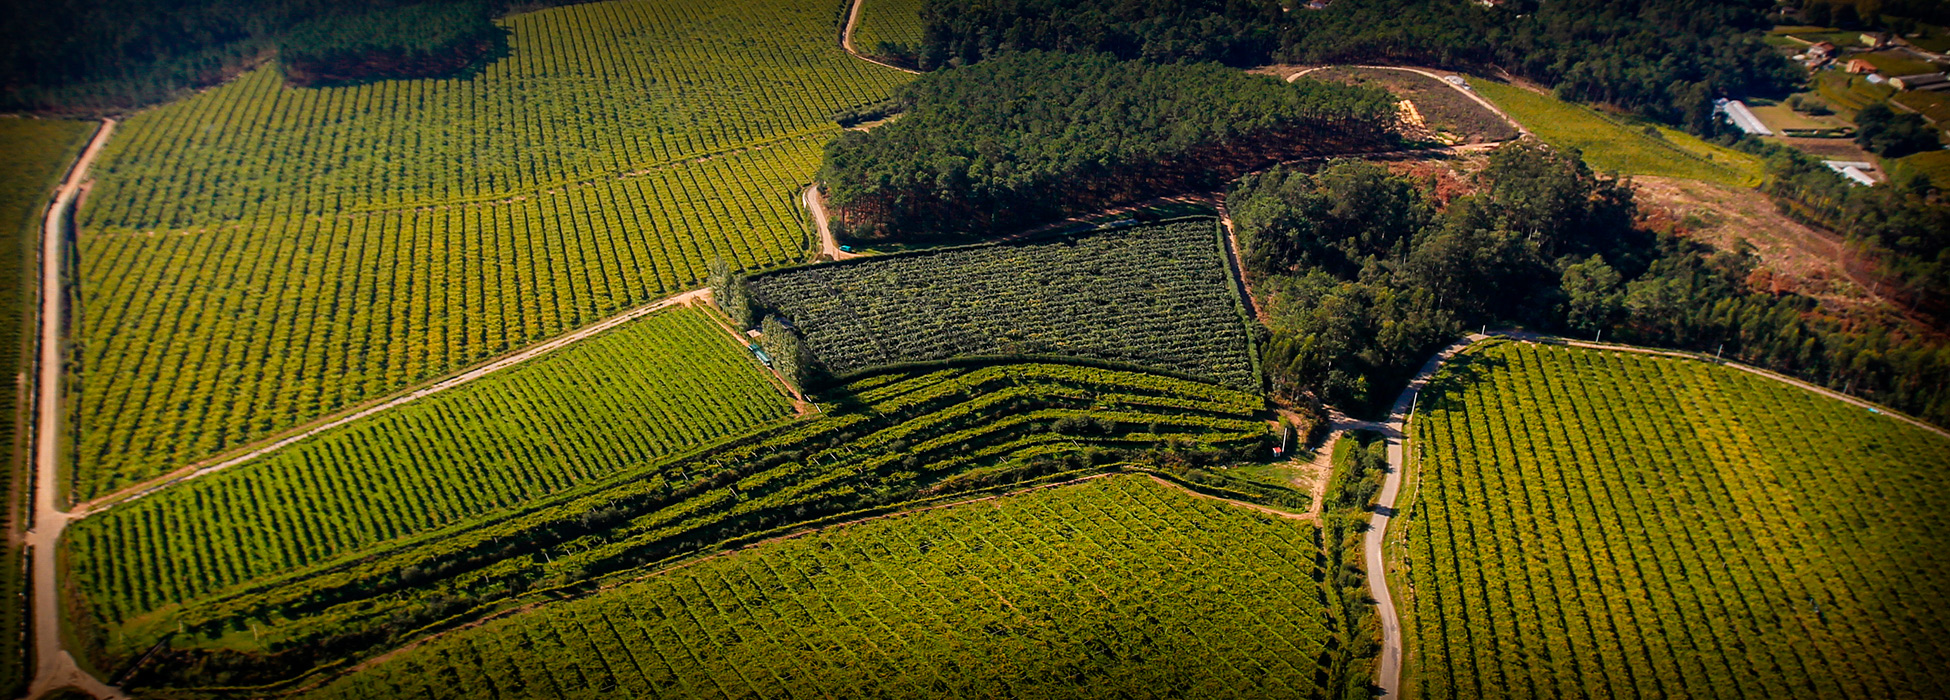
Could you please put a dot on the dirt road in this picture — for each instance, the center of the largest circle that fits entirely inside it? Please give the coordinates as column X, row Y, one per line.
column 54, row 667
column 828, row 245
column 846, row 39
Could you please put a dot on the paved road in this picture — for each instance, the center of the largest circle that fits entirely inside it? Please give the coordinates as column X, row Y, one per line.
column 54, row 667
column 1395, row 429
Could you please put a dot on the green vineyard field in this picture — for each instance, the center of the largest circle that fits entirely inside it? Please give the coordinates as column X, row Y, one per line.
column 1602, row 524
column 34, row 154
column 657, row 386
column 878, row 444
column 1155, row 296
column 259, row 255
column 895, row 22
column 1115, row 587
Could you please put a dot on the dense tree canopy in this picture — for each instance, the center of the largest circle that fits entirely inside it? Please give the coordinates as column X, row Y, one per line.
column 418, row 41
column 1355, row 303
column 110, row 55
column 1666, row 58
column 1034, row 135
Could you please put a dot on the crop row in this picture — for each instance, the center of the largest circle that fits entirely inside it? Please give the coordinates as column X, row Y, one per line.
column 1601, row 524
column 925, row 435
column 194, row 342
column 888, row 22
column 586, row 91
column 1157, row 296
column 1114, row 587
column 657, row 386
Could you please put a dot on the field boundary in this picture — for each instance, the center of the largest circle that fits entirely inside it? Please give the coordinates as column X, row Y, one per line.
column 454, row 380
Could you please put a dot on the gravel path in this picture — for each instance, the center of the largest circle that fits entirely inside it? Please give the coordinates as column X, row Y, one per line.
column 54, row 668
column 846, row 40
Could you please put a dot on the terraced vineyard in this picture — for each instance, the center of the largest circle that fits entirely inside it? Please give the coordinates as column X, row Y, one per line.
column 1602, row 524
column 1100, row 589
column 1154, row 296
column 656, row 387
column 259, row 255
column 880, row 443
column 888, row 22
column 34, row 154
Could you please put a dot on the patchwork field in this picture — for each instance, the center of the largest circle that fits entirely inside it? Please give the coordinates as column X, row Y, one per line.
column 659, row 386
column 877, row 443
column 258, row 255
column 1611, row 145
column 34, row 155
column 1108, row 588
column 1601, row 524
column 1155, row 296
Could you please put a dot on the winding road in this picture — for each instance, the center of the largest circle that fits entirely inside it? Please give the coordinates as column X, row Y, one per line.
column 846, row 40
column 54, row 667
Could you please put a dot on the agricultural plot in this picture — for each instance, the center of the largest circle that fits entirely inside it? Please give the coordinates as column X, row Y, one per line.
column 879, row 444
column 1108, row 588
column 663, row 385
column 34, row 154
column 260, row 255
column 1155, row 296
column 889, row 28
column 1610, row 145
column 1450, row 115
column 1601, row 524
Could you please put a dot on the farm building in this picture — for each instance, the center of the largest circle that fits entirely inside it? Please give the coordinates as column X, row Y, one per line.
column 1744, row 118
column 1926, row 81
column 1859, row 66
column 1822, row 50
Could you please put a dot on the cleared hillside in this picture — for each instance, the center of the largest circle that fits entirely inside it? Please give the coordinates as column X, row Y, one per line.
column 1595, row 523
column 1108, row 588
column 259, row 255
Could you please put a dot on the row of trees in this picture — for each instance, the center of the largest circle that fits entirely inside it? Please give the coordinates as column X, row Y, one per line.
column 1356, row 301
column 1035, row 135
column 418, row 41
column 1665, row 58
column 92, row 56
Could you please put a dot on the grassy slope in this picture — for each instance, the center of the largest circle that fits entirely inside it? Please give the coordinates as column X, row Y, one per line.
column 1116, row 587
column 656, row 387
column 34, row 154
column 1602, row 523
column 879, row 443
column 1155, row 296
column 256, row 256
column 1612, row 145
column 894, row 21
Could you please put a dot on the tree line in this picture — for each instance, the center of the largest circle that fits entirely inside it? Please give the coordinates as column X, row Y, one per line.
column 1037, row 135
column 97, row 56
column 1363, row 273
column 1664, row 58
column 417, row 41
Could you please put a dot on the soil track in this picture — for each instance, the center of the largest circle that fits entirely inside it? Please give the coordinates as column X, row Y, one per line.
column 846, row 40
column 54, row 667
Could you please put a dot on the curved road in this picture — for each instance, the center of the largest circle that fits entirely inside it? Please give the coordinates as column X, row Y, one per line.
column 54, row 667
column 846, row 40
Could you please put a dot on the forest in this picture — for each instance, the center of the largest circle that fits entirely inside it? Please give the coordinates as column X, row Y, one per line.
column 1667, row 59
column 94, row 56
column 420, row 41
column 1355, row 302
column 1034, row 136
